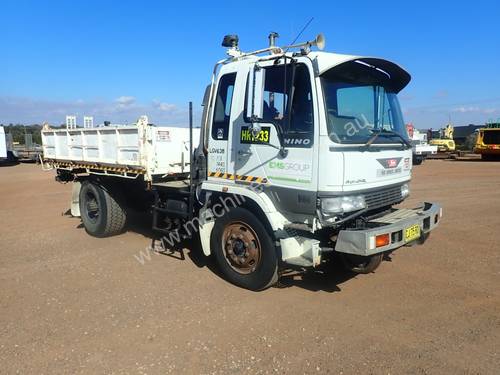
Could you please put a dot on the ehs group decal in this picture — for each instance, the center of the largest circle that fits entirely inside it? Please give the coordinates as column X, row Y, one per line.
column 290, row 171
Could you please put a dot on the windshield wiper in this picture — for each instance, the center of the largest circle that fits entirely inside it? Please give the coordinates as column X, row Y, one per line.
column 384, row 132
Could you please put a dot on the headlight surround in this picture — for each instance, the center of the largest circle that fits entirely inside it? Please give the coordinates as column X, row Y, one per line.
column 340, row 205
column 405, row 190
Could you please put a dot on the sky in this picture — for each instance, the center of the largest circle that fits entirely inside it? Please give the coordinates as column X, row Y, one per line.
column 117, row 60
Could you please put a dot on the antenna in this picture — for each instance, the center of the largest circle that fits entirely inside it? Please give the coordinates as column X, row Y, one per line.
column 319, row 41
column 300, row 33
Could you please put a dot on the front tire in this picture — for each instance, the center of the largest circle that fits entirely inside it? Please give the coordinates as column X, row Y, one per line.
column 417, row 160
column 244, row 250
column 361, row 264
column 102, row 214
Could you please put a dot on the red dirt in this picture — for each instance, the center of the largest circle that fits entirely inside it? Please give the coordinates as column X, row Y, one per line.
column 70, row 303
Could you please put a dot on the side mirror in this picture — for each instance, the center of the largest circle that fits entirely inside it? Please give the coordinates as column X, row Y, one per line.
column 255, row 100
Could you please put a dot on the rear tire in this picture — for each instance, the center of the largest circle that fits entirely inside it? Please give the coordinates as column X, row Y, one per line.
column 102, row 214
column 244, row 250
column 361, row 264
column 489, row 157
column 11, row 158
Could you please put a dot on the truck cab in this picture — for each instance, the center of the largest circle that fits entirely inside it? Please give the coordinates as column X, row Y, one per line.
column 316, row 144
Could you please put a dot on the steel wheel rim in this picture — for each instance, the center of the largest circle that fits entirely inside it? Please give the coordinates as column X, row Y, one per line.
column 241, row 247
column 91, row 206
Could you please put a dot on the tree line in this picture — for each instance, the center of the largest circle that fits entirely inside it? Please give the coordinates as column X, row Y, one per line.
column 18, row 132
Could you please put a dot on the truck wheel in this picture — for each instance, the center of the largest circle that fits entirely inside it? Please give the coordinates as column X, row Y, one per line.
column 361, row 264
column 102, row 215
column 11, row 158
column 417, row 160
column 244, row 250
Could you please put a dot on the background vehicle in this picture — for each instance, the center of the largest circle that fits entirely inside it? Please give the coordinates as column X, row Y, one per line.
column 3, row 144
column 421, row 149
column 28, row 151
column 301, row 156
column 443, row 139
column 6, row 151
column 488, row 142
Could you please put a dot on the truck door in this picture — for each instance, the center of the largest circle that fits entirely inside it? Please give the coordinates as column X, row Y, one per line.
column 291, row 176
column 218, row 150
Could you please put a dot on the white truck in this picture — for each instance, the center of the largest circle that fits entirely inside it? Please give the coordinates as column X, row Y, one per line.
column 3, row 144
column 7, row 153
column 302, row 157
column 421, row 148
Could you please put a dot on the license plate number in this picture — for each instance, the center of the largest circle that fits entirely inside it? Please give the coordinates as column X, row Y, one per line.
column 412, row 233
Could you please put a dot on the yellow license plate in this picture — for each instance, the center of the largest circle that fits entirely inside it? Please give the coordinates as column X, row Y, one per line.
column 412, row 233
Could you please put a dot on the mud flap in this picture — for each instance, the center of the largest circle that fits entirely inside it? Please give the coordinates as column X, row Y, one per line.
column 75, row 199
column 300, row 251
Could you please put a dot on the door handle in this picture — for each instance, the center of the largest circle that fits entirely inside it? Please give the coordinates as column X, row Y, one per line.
column 244, row 153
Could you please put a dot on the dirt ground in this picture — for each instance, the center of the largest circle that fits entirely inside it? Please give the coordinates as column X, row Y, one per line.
column 70, row 303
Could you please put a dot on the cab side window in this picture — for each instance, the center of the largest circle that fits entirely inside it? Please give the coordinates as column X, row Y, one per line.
column 222, row 109
column 299, row 131
column 275, row 98
column 301, row 121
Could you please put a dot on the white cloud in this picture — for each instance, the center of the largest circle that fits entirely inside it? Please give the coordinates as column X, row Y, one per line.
column 436, row 116
column 463, row 109
column 475, row 109
column 123, row 110
column 162, row 106
column 125, row 101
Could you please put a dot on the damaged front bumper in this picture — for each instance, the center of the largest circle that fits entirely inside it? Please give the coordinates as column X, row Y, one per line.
column 391, row 231
column 397, row 228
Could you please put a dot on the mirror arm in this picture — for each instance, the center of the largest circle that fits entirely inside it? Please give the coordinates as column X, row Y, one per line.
column 281, row 137
column 290, row 96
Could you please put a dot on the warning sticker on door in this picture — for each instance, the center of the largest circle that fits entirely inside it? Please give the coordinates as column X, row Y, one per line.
column 163, row 136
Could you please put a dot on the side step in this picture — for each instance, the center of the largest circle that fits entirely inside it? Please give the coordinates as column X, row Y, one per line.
column 170, row 214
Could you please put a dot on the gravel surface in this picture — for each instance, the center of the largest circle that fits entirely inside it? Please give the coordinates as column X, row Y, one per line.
column 70, row 303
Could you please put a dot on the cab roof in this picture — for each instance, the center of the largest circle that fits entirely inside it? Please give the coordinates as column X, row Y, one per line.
column 348, row 67
column 351, row 66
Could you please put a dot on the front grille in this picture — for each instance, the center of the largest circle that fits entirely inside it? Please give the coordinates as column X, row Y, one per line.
column 491, row 137
column 382, row 198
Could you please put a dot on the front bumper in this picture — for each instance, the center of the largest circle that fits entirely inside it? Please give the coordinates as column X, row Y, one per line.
column 492, row 150
column 362, row 242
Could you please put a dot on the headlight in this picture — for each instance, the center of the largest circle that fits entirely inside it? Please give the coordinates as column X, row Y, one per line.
column 405, row 190
column 331, row 206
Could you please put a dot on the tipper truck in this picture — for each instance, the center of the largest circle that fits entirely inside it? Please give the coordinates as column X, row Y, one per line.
column 301, row 158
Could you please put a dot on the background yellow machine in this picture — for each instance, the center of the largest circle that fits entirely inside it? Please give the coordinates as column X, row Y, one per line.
column 488, row 142
column 443, row 139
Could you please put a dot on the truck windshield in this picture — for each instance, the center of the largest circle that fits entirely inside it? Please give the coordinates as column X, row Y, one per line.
column 355, row 111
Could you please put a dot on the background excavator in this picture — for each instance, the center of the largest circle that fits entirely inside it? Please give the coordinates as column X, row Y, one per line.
column 443, row 139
